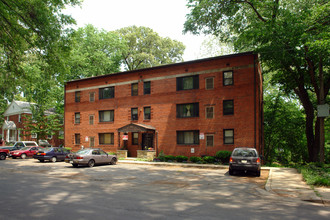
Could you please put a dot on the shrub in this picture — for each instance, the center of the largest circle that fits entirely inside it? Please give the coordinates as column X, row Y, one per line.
column 161, row 156
column 223, row 156
column 181, row 158
column 195, row 159
column 209, row 159
column 169, row 158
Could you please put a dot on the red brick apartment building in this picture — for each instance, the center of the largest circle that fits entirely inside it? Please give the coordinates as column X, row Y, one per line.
column 192, row 108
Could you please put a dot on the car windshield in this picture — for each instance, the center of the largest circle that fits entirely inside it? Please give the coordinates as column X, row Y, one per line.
column 84, row 151
column 47, row 149
column 244, row 153
column 30, row 144
column 25, row 148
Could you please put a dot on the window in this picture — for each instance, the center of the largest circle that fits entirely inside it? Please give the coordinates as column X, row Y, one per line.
column 19, row 118
column 135, row 138
column 228, row 107
column 135, row 89
column 228, row 78
column 209, row 111
column 77, row 96
column 106, row 116
column 106, row 138
column 91, row 142
column 187, row 137
column 107, row 93
column 92, row 96
column 146, row 88
column 77, row 138
column 209, row 83
column 77, row 118
column 209, row 140
column 187, row 83
column 91, row 119
column 147, row 113
column 134, row 114
column 33, row 135
column 49, row 137
column 228, row 136
column 187, row 110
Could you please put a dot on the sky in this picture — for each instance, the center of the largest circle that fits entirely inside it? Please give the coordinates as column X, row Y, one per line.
column 164, row 17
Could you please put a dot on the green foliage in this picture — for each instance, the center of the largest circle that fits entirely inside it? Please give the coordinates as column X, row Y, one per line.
column 195, row 159
column 181, row 158
column 284, row 126
column 316, row 173
column 209, row 159
column 147, row 49
column 169, row 158
column 223, row 156
column 94, row 52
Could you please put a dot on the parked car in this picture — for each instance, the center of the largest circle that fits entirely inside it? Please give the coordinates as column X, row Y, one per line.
column 52, row 154
column 44, row 143
column 244, row 159
column 3, row 154
column 24, row 152
column 90, row 157
column 20, row 144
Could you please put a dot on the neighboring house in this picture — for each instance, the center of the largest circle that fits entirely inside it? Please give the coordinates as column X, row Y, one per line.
column 13, row 126
column 192, row 108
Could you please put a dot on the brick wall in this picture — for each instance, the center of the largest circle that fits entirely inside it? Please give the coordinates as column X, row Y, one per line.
column 246, row 94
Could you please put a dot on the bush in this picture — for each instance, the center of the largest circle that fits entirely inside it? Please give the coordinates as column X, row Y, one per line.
column 181, row 158
column 316, row 174
column 195, row 159
column 161, row 156
column 223, row 156
column 169, row 158
column 209, row 159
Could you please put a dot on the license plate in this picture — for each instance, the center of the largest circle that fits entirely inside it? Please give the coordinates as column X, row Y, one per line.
column 71, row 161
column 243, row 161
column 38, row 153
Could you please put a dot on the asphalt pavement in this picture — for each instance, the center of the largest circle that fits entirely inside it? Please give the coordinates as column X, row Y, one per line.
column 284, row 182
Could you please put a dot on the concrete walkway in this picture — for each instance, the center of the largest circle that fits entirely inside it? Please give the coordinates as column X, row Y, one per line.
column 284, row 182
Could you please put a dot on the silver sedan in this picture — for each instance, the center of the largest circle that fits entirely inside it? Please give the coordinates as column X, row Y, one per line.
column 90, row 157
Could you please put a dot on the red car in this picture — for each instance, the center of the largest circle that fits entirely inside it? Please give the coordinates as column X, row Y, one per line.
column 3, row 154
column 25, row 152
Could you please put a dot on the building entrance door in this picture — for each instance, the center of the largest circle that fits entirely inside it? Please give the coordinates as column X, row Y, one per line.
column 147, row 141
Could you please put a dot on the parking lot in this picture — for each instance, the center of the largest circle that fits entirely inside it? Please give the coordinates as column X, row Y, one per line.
column 124, row 191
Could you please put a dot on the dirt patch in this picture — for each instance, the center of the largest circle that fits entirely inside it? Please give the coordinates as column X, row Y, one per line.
column 179, row 184
column 250, row 178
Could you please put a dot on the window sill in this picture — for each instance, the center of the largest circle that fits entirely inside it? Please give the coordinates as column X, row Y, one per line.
column 105, row 122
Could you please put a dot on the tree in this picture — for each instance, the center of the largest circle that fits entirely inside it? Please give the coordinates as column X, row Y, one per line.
column 147, row 49
column 31, row 27
column 212, row 47
column 293, row 39
column 94, row 52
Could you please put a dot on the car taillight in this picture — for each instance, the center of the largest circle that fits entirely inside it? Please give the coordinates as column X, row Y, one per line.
column 43, row 154
column 258, row 160
column 230, row 160
column 66, row 156
column 79, row 158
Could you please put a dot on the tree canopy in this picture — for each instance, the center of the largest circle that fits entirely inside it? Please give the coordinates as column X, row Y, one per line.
column 147, row 49
column 293, row 40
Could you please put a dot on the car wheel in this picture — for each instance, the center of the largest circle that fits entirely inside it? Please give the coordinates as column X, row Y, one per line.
column 258, row 173
column 54, row 159
column 113, row 161
column 41, row 161
column 23, row 156
column 3, row 156
column 75, row 165
column 91, row 163
column 231, row 172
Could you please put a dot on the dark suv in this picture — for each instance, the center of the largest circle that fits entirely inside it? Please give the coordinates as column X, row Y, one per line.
column 244, row 159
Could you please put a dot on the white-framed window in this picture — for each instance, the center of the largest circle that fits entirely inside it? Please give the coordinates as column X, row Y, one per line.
column 209, row 83
column 92, row 96
column 34, row 135
column 228, row 78
column 49, row 137
column 209, row 140
column 209, row 112
column 19, row 118
column 228, row 136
